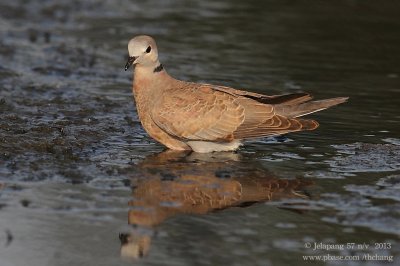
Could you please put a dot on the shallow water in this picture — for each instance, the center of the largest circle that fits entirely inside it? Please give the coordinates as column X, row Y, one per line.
column 78, row 175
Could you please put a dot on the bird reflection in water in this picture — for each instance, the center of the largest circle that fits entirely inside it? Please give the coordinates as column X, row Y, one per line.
column 172, row 183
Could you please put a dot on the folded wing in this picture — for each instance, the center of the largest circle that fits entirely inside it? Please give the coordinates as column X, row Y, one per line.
column 210, row 113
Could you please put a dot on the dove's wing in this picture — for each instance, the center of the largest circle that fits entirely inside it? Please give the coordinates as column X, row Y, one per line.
column 204, row 112
column 293, row 98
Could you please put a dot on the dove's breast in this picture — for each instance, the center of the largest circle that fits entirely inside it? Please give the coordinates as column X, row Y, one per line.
column 145, row 102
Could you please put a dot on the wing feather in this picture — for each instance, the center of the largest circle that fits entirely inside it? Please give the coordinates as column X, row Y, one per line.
column 210, row 113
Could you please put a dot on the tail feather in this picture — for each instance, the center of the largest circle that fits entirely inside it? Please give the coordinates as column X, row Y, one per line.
column 308, row 124
column 294, row 98
column 306, row 108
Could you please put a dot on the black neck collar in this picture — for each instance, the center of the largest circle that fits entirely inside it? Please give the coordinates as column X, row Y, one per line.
column 158, row 69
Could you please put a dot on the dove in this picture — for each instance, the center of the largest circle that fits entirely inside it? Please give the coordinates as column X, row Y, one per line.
column 209, row 118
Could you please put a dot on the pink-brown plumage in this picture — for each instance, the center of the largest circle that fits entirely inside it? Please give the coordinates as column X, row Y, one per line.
column 203, row 117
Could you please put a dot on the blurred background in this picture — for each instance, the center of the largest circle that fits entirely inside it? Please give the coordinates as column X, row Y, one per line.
column 73, row 153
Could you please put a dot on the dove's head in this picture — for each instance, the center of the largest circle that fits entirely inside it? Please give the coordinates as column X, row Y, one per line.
column 142, row 51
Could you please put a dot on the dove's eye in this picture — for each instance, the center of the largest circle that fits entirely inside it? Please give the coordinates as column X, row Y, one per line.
column 148, row 49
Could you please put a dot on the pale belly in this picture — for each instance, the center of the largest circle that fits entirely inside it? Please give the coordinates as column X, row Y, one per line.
column 207, row 146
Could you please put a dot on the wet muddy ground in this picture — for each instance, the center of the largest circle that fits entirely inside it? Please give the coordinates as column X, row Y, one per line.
column 82, row 184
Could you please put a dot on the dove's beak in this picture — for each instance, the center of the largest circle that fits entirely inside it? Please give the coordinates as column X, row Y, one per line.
column 131, row 60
